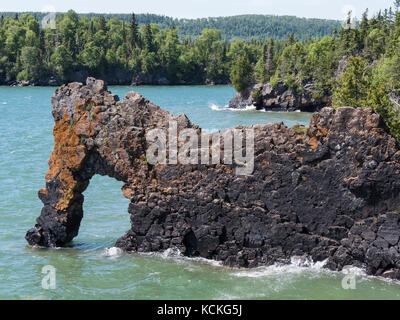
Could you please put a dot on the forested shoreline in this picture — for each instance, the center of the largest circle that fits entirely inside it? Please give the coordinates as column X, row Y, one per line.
column 357, row 66
column 126, row 52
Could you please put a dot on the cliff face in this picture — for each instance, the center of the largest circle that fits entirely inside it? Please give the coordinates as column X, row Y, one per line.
column 280, row 98
column 330, row 191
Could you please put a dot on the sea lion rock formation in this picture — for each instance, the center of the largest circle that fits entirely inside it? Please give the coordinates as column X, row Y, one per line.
column 329, row 191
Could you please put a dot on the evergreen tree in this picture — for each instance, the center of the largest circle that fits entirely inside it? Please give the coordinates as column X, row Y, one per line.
column 353, row 85
column 260, row 71
column 103, row 24
column 133, row 33
column 92, row 30
column 291, row 40
column 148, row 39
column 363, row 28
column 241, row 74
column 269, row 65
column 265, row 66
column 123, row 31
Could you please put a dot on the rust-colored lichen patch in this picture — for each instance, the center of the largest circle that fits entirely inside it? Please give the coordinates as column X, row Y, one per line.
column 313, row 142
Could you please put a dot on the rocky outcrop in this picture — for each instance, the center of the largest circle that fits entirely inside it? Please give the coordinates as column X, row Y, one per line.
column 52, row 82
column 329, row 192
column 147, row 79
column 280, row 98
column 115, row 77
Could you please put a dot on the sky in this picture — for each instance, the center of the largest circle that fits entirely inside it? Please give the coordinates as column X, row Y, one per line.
column 325, row 9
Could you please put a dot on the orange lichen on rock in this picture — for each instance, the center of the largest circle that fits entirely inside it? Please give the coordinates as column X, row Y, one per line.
column 68, row 155
column 313, row 142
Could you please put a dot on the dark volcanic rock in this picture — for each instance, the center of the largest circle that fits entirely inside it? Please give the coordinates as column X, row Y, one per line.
column 114, row 77
column 145, row 79
column 52, row 81
column 280, row 98
column 330, row 192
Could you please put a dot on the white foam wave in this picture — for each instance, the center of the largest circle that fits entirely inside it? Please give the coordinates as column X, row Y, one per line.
column 304, row 265
column 297, row 265
column 362, row 275
column 171, row 253
column 227, row 108
column 112, row 252
column 217, row 108
column 214, row 263
column 176, row 255
column 4, row 103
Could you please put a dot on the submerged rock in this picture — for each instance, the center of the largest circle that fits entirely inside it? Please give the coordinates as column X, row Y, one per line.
column 280, row 98
column 330, row 191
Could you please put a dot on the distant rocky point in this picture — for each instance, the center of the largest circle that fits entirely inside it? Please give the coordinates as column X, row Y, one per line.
column 330, row 192
column 280, row 98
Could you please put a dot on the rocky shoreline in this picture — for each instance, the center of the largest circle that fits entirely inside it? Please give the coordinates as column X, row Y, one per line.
column 280, row 98
column 121, row 78
column 330, row 191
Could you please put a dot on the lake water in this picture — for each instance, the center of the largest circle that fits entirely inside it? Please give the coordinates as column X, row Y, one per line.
column 90, row 268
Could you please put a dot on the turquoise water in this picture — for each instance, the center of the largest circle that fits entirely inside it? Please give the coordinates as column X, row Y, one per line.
column 89, row 269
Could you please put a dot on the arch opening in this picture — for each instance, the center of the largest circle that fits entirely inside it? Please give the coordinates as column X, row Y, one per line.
column 105, row 216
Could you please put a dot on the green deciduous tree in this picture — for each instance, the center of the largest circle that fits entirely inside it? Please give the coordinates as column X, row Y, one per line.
column 30, row 63
column 62, row 61
column 322, row 63
column 92, row 57
column 170, row 53
column 384, row 92
column 68, row 26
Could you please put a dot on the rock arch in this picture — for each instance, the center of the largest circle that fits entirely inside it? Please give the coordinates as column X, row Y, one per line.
column 93, row 134
column 330, row 192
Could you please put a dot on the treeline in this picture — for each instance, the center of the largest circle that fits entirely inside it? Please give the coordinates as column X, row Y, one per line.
column 100, row 47
column 243, row 27
column 358, row 65
column 116, row 51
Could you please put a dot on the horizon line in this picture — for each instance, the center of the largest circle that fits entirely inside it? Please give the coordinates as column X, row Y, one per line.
column 177, row 18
